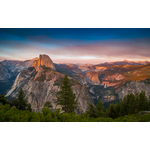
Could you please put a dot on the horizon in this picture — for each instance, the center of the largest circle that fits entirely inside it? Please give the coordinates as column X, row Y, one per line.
column 76, row 45
column 126, row 60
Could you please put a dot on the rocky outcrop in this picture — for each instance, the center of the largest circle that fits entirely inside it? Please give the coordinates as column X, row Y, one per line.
column 44, row 60
column 108, row 84
column 133, row 87
column 4, row 73
column 92, row 78
column 114, row 77
column 15, row 66
column 5, row 79
column 43, row 84
column 99, row 68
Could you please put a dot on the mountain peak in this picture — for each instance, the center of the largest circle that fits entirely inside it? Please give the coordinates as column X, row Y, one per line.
column 44, row 60
column 126, row 60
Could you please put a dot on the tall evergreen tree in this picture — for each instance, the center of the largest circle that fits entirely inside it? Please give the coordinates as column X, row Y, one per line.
column 122, row 108
column 29, row 107
column 112, row 111
column 66, row 96
column 92, row 112
column 132, row 104
column 142, row 101
column 117, row 109
column 100, row 109
column 20, row 102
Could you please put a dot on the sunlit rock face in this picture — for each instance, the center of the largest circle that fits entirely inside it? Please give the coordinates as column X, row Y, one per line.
column 15, row 66
column 44, row 60
column 92, row 77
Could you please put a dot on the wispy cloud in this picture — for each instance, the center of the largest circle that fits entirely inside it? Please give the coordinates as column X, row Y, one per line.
column 84, row 47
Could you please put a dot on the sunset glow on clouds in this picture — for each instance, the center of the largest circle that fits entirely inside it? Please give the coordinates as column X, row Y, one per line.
column 76, row 45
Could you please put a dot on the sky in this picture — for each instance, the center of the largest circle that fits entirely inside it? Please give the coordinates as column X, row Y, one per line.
column 76, row 45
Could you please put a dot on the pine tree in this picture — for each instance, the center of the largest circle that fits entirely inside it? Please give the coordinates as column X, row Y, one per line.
column 132, row 104
column 29, row 107
column 48, row 105
column 122, row 108
column 117, row 109
column 66, row 97
column 3, row 100
column 142, row 101
column 100, row 109
column 92, row 112
column 20, row 102
column 111, row 111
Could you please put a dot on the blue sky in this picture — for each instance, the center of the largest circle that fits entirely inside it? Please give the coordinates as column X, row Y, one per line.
column 77, row 45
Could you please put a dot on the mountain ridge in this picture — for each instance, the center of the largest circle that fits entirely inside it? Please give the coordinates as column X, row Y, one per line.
column 102, row 81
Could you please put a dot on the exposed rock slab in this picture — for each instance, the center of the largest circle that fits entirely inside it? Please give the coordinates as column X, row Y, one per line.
column 133, row 87
column 44, row 60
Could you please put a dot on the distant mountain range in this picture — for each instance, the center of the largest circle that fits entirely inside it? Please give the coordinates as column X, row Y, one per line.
column 109, row 81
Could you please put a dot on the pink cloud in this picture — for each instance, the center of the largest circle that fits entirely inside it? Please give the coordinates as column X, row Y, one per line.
column 100, row 51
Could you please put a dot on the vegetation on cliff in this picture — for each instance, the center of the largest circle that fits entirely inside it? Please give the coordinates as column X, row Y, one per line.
column 20, row 102
column 127, row 111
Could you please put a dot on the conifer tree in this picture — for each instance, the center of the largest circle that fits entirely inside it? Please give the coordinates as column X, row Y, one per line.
column 66, row 97
column 111, row 111
column 92, row 112
column 100, row 109
column 117, row 109
column 3, row 100
column 48, row 105
column 132, row 104
column 20, row 102
column 142, row 101
column 29, row 107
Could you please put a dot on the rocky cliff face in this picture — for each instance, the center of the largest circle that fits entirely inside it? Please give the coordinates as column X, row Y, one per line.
column 92, row 77
column 44, row 60
column 5, row 79
column 15, row 66
column 133, row 87
column 42, row 83
column 4, row 73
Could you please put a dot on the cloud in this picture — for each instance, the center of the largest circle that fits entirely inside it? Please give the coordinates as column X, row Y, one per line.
column 84, row 51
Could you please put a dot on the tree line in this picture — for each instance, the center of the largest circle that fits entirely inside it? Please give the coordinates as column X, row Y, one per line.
column 130, row 105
